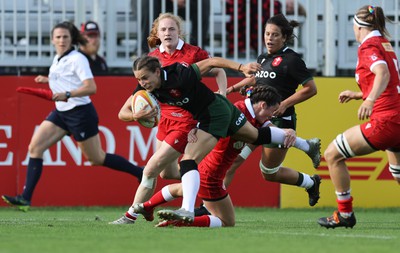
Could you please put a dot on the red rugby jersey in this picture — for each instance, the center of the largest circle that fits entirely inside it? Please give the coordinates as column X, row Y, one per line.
column 376, row 49
column 185, row 54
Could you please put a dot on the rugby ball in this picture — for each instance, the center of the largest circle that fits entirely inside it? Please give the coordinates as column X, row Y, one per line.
column 142, row 98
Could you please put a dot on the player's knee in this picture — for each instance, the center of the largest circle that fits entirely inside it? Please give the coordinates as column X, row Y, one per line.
column 342, row 146
column 96, row 161
column 228, row 222
column 170, row 174
column 35, row 151
column 186, row 166
column 269, row 173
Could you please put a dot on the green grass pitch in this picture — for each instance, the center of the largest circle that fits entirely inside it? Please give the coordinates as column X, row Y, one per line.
column 257, row 230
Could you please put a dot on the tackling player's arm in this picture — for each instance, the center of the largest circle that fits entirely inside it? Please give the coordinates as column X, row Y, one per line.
column 250, row 81
column 206, row 65
column 246, row 151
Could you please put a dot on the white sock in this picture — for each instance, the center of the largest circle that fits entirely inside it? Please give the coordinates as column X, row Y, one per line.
column 132, row 212
column 166, row 194
column 302, row 144
column 215, row 222
column 343, row 195
column 278, row 137
column 190, row 188
column 307, row 181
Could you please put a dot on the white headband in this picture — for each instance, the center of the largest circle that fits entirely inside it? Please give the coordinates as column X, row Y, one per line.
column 358, row 22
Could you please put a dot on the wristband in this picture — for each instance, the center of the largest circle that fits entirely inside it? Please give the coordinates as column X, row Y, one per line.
column 370, row 99
column 239, row 67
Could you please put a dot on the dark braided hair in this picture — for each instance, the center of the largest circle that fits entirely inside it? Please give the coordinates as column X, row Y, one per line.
column 264, row 93
column 149, row 62
column 76, row 36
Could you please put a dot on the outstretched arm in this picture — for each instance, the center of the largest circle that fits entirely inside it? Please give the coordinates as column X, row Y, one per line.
column 251, row 81
column 217, row 62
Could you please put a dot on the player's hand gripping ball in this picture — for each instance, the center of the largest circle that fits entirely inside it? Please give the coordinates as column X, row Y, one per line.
column 142, row 98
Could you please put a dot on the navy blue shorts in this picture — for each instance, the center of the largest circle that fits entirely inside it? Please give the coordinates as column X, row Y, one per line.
column 82, row 122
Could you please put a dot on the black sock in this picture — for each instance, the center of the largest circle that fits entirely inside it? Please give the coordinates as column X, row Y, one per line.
column 34, row 171
column 300, row 179
column 117, row 162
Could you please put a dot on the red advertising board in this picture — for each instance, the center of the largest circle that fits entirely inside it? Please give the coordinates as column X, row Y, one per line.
column 68, row 179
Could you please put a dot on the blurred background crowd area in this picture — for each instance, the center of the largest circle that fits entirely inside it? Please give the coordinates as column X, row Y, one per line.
column 226, row 28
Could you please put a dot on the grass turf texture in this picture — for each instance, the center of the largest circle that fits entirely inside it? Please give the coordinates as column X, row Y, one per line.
column 257, row 230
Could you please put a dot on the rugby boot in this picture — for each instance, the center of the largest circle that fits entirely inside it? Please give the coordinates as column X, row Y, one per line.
column 315, row 151
column 178, row 215
column 122, row 220
column 201, row 210
column 313, row 191
column 139, row 208
column 336, row 220
column 17, row 201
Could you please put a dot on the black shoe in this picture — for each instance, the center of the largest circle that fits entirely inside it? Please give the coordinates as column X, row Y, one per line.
column 17, row 201
column 201, row 210
column 336, row 220
column 313, row 192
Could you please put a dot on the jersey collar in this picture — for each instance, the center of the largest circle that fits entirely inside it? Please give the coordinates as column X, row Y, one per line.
column 66, row 53
column 374, row 33
column 178, row 47
column 280, row 51
column 249, row 107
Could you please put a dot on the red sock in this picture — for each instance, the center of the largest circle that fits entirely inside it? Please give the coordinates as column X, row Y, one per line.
column 201, row 221
column 129, row 216
column 154, row 201
column 345, row 206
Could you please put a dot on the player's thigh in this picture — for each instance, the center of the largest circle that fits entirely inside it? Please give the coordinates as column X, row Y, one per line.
column 199, row 149
column 46, row 135
column 348, row 144
column 247, row 133
column 273, row 157
column 357, row 142
column 223, row 209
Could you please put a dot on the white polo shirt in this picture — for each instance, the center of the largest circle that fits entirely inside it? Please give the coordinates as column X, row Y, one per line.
column 67, row 75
